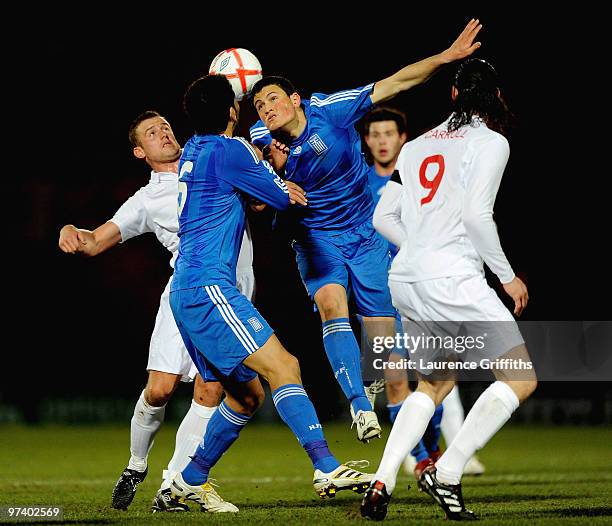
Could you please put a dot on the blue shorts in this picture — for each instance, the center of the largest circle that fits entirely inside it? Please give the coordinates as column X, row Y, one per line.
column 359, row 260
column 220, row 328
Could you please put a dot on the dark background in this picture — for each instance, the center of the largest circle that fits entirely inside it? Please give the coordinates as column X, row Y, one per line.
column 79, row 329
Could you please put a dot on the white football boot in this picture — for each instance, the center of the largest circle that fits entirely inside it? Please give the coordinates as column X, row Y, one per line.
column 205, row 495
column 342, row 478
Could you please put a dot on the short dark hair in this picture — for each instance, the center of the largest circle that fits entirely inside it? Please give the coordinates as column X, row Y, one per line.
column 149, row 114
column 384, row 113
column 207, row 102
column 285, row 84
column 477, row 85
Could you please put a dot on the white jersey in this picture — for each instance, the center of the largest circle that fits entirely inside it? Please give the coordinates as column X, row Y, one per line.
column 445, row 207
column 153, row 208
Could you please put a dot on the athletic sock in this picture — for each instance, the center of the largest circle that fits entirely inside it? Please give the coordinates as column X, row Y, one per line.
column 453, row 416
column 489, row 413
column 145, row 423
column 344, row 356
column 297, row 411
column 410, row 424
column 188, row 436
column 222, row 431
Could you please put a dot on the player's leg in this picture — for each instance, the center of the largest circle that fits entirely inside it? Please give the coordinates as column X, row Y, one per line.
column 324, row 272
column 418, row 408
column 475, row 301
column 222, row 325
column 210, row 321
column 407, row 431
column 207, row 393
column 368, row 261
column 149, row 414
column 206, row 397
column 341, row 345
column 373, row 385
column 427, row 450
column 452, row 420
column 397, row 389
column 282, row 371
column 147, row 418
column 410, row 426
column 490, row 412
column 234, row 412
column 454, row 415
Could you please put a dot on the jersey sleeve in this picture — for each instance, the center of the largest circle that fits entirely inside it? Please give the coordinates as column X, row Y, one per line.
column 260, row 135
column 487, row 169
column 345, row 108
column 387, row 218
column 131, row 218
column 257, row 178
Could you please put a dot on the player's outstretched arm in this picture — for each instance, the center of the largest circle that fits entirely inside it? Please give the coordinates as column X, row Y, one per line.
column 75, row 240
column 419, row 72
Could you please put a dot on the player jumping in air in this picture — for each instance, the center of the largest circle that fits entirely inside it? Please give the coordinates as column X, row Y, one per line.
column 338, row 251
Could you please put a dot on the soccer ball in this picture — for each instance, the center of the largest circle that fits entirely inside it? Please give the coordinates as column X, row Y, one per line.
column 240, row 67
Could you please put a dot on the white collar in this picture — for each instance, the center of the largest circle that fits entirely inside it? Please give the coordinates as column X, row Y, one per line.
column 158, row 177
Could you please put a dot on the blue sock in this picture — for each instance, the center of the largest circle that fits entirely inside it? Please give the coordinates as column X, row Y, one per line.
column 222, row 431
column 393, row 410
column 433, row 431
column 420, row 452
column 297, row 411
column 344, row 356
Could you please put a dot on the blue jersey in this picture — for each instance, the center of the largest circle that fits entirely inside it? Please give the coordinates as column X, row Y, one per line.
column 377, row 183
column 215, row 171
column 326, row 161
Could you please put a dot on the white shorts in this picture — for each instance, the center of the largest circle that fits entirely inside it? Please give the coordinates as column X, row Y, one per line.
column 245, row 281
column 167, row 352
column 451, row 302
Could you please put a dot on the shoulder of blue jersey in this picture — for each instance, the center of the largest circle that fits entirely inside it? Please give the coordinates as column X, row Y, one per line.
column 258, row 132
column 247, row 146
column 320, row 99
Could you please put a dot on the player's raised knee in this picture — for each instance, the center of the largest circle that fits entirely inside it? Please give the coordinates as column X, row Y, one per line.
column 291, row 364
column 331, row 302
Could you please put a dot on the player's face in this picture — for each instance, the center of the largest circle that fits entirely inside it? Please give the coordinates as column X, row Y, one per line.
column 157, row 140
column 385, row 141
column 275, row 108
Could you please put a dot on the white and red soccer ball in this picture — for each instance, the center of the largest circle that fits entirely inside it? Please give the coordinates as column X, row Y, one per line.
column 240, row 67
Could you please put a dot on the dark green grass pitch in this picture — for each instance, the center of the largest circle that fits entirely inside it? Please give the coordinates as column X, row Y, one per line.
column 535, row 475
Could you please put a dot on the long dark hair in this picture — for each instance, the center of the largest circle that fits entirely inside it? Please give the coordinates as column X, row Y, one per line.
column 478, row 94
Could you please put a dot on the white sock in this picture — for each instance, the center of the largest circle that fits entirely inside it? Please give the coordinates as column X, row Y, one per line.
column 408, row 429
column 145, row 424
column 490, row 412
column 452, row 417
column 189, row 435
